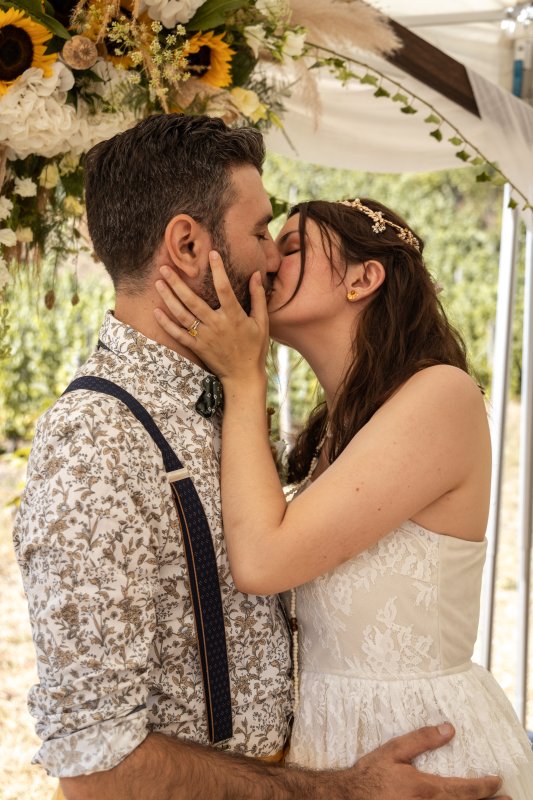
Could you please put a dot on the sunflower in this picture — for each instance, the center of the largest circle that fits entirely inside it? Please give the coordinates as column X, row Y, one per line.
column 210, row 58
column 22, row 45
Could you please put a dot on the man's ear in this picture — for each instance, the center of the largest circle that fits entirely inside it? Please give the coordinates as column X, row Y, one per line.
column 187, row 244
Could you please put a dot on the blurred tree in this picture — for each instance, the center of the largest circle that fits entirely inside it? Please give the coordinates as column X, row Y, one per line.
column 46, row 344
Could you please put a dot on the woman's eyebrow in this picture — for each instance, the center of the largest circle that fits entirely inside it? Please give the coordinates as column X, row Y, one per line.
column 286, row 236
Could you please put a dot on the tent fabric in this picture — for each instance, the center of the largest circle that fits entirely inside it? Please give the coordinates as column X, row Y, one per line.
column 359, row 131
column 509, row 126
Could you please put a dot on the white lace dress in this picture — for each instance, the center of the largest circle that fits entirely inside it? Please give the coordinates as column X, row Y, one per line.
column 385, row 646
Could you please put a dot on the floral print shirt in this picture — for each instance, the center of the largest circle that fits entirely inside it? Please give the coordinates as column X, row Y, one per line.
column 98, row 541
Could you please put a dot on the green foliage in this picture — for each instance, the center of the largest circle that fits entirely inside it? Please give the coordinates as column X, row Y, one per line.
column 456, row 215
column 459, row 219
column 46, row 345
column 213, row 13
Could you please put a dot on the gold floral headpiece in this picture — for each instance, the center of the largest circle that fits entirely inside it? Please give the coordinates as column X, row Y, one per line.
column 379, row 223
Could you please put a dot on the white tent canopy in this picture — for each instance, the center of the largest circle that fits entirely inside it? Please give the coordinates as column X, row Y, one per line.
column 359, row 131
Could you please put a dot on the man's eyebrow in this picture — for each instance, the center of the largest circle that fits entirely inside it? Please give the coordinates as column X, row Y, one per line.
column 263, row 221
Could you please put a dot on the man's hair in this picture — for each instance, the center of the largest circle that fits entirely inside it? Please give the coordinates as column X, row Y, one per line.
column 168, row 164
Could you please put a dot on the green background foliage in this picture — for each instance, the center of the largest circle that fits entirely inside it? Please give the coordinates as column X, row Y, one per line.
column 458, row 218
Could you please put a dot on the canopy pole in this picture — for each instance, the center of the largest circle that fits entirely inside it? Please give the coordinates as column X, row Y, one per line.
column 284, row 394
column 499, row 393
column 526, row 486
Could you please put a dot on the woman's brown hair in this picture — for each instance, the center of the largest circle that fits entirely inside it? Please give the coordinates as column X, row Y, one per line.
column 402, row 330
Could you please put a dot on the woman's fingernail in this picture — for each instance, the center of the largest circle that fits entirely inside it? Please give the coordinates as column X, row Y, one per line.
column 257, row 277
column 213, row 255
column 159, row 285
column 164, row 270
column 445, row 729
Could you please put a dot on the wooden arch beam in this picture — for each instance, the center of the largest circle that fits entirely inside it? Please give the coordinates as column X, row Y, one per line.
column 432, row 66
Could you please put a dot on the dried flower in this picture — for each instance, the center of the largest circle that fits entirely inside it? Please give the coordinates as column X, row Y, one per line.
column 49, row 177
column 50, row 299
column 72, row 206
column 24, row 235
column 79, row 53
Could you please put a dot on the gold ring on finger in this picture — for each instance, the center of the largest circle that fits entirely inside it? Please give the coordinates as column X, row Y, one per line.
column 193, row 330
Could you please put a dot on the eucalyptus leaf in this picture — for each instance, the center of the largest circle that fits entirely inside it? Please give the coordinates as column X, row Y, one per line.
column 368, row 78
column 381, row 92
column 437, row 134
column 433, row 119
column 455, row 140
column 512, row 203
column 483, row 177
column 408, row 109
column 478, row 161
column 213, row 13
column 463, row 155
column 279, row 207
column 400, row 98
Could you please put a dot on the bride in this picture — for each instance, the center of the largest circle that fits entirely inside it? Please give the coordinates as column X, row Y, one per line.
column 384, row 536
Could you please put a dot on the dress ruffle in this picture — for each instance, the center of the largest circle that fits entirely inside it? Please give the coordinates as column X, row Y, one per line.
column 342, row 718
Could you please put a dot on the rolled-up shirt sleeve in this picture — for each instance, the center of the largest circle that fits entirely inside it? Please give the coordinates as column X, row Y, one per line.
column 86, row 539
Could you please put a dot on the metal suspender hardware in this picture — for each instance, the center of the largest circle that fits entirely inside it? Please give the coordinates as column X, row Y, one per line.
column 201, row 566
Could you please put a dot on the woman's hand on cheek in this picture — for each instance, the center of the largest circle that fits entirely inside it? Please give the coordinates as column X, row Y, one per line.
column 232, row 344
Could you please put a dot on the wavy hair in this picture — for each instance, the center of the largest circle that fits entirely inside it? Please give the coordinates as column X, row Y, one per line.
column 402, row 330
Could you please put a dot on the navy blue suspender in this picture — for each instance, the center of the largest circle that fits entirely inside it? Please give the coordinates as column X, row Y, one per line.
column 201, row 566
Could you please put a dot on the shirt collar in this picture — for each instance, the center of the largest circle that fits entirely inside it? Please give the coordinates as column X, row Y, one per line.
column 153, row 361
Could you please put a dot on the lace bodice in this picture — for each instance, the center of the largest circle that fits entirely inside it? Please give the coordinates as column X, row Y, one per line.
column 405, row 608
column 386, row 641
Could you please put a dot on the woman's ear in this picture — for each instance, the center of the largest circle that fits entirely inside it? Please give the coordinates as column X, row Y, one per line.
column 187, row 244
column 366, row 277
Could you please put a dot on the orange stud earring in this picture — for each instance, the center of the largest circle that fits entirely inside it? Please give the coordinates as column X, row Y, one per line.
column 352, row 296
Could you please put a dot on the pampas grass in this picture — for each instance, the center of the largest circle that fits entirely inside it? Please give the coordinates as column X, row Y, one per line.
column 340, row 25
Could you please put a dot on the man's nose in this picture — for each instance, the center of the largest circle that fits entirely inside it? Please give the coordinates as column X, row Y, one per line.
column 273, row 257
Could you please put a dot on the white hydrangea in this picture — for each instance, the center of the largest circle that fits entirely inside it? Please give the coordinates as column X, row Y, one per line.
column 36, row 118
column 171, row 12
column 8, row 237
column 6, row 207
column 25, row 187
column 293, row 44
column 5, row 277
column 255, row 36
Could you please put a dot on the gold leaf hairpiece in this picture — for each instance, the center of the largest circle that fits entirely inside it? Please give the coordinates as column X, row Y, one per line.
column 379, row 222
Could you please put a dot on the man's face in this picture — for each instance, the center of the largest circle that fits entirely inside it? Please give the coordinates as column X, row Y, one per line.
column 247, row 245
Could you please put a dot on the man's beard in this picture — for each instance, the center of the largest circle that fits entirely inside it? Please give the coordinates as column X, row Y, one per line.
column 239, row 282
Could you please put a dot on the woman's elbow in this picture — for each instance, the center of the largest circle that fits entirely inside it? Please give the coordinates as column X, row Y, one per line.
column 254, row 579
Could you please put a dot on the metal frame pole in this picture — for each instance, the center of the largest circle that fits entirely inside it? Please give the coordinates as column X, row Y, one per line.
column 499, row 393
column 284, row 394
column 526, row 486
